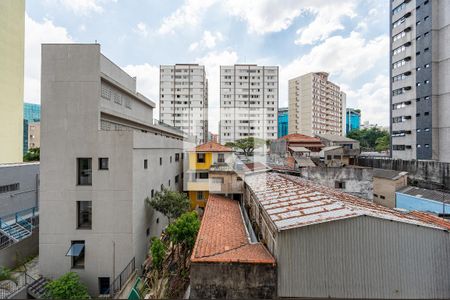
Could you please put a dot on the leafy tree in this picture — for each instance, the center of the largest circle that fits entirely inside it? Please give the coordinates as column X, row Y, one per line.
column 184, row 230
column 382, row 143
column 33, row 154
column 158, row 252
column 247, row 145
column 368, row 138
column 6, row 275
column 172, row 204
column 67, row 286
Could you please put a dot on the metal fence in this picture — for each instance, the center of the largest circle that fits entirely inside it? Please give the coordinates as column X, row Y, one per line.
column 120, row 280
column 9, row 288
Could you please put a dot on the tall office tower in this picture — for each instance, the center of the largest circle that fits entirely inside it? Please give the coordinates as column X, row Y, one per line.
column 353, row 120
column 316, row 105
column 420, row 79
column 101, row 157
column 248, row 102
column 12, row 38
column 183, row 99
column 283, row 120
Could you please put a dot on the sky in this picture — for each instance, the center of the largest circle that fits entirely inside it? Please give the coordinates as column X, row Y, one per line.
column 349, row 39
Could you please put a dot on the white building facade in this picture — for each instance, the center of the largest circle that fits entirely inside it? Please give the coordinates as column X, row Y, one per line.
column 316, row 105
column 183, row 98
column 100, row 153
column 248, row 102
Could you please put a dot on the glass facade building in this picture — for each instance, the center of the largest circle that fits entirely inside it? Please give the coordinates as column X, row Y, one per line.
column 31, row 114
column 282, row 122
column 353, row 120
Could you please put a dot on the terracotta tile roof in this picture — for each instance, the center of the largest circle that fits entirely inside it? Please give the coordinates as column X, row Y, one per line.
column 211, row 147
column 292, row 202
column 223, row 237
column 431, row 219
column 256, row 166
column 297, row 137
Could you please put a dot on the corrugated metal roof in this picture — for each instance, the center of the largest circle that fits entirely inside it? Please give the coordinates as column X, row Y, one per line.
column 293, row 202
column 299, row 149
column 426, row 194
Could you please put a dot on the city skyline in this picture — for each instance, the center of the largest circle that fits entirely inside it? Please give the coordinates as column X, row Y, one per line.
column 297, row 37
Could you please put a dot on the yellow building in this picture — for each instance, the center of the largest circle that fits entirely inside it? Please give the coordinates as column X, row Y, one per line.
column 12, row 38
column 210, row 170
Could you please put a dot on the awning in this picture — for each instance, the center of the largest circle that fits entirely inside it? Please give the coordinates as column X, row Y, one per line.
column 299, row 149
column 75, row 250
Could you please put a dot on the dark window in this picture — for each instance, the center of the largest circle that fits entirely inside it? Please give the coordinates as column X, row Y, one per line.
column 147, row 232
column 78, row 261
column 177, row 156
column 153, row 193
column 103, row 285
column 199, row 195
column 145, row 164
column 382, row 197
column 339, row 184
column 182, row 155
column 84, row 171
column 160, row 161
column 375, row 195
column 170, row 159
column 9, row 188
column 177, row 178
column 169, row 182
column 162, row 187
column 200, row 157
column 103, row 163
column 157, row 220
column 84, row 214
column 221, row 158
column 202, row 175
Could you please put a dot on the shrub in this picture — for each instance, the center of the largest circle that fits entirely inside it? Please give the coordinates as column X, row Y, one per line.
column 67, row 286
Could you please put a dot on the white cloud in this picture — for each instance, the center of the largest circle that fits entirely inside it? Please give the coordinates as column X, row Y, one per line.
column 147, row 82
column 189, row 14
column 141, row 29
column 373, row 100
column 208, row 41
column 84, row 7
column 345, row 58
column 328, row 19
column 36, row 34
column 212, row 62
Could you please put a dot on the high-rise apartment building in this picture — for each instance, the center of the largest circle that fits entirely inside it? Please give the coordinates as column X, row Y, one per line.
column 248, row 102
column 100, row 151
column 316, row 105
column 12, row 39
column 420, row 79
column 183, row 98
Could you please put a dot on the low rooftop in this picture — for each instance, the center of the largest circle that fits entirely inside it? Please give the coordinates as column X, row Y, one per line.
column 297, row 137
column 293, row 202
column 439, row 196
column 388, row 174
column 211, row 147
column 336, row 138
column 223, row 237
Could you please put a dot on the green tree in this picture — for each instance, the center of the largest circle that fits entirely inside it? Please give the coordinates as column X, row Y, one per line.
column 184, row 230
column 158, row 252
column 67, row 286
column 5, row 276
column 172, row 204
column 368, row 138
column 247, row 145
column 33, row 154
column 382, row 143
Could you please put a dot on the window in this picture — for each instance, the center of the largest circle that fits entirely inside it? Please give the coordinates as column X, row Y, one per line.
column 160, row 161
column 103, row 285
column 177, row 179
column 382, row 197
column 218, row 180
column 171, row 159
column 199, row 195
column 375, row 195
column 177, row 156
column 103, row 163
column 169, row 182
column 202, row 175
column 147, row 232
column 162, row 187
column 220, row 158
column 145, row 163
column 76, row 251
column 200, row 157
column 84, row 214
column 9, row 188
column 84, row 171
column 152, row 193
column 339, row 184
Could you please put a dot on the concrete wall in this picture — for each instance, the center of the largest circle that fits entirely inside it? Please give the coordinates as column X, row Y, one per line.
column 233, row 281
column 383, row 187
column 426, row 174
column 364, row 257
column 358, row 181
column 27, row 175
column 11, row 256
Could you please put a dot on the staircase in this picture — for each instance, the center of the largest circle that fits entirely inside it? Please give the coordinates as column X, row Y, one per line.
column 37, row 288
column 17, row 231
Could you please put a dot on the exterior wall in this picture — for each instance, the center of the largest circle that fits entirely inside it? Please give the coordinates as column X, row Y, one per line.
column 12, row 35
column 34, row 135
column 195, row 201
column 409, row 202
column 384, row 190
column 13, row 255
column 426, row 174
column 232, row 281
column 105, row 121
column 184, row 99
column 248, row 102
column 194, row 165
column 363, row 257
column 358, row 181
column 316, row 105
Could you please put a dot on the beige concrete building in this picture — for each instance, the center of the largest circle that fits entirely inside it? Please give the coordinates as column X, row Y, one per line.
column 183, row 99
column 316, row 105
column 34, row 135
column 101, row 157
column 12, row 38
column 385, row 184
column 248, row 102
